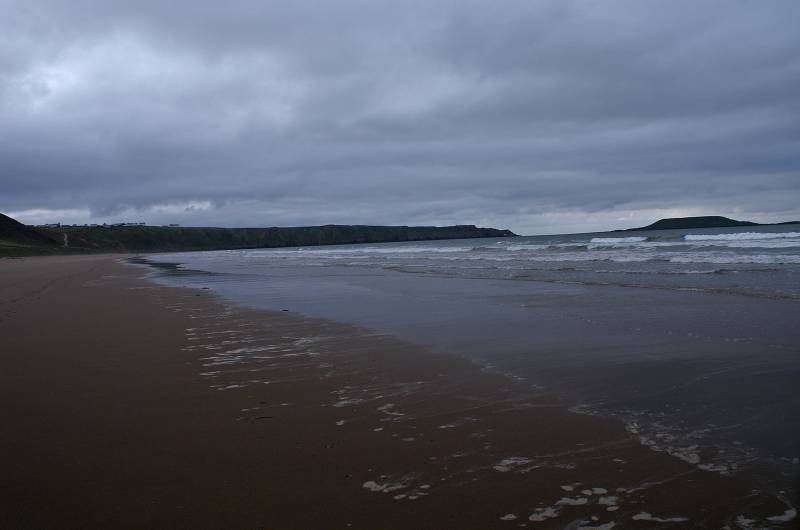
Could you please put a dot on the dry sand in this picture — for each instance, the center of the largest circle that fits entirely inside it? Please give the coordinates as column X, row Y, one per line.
column 126, row 404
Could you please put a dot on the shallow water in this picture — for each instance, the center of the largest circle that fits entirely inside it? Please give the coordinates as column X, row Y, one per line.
column 689, row 337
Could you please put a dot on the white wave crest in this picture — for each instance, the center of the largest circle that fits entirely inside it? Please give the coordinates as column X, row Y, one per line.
column 615, row 240
column 344, row 251
column 741, row 236
column 755, row 259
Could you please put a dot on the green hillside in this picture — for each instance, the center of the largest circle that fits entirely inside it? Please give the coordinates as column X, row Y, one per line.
column 27, row 240
column 17, row 239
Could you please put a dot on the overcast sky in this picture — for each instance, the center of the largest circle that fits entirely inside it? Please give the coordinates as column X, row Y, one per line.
column 538, row 116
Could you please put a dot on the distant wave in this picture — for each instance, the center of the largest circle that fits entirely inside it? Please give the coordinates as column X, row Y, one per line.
column 657, row 272
column 615, row 240
column 756, row 259
column 554, row 246
column 742, row 236
column 755, row 243
column 372, row 250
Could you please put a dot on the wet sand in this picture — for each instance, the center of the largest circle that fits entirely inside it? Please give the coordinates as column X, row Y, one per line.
column 128, row 404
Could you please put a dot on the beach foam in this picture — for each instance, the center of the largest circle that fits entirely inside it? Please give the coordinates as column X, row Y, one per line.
column 386, row 487
column 646, row 516
column 543, row 514
column 572, row 501
column 511, row 463
column 589, row 526
column 788, row 515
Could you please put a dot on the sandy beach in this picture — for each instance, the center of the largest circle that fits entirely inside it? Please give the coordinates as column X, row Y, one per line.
column 399, row 265
column 129, row 404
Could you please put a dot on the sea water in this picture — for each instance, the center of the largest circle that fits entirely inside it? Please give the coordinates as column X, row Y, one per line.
column 689, row 337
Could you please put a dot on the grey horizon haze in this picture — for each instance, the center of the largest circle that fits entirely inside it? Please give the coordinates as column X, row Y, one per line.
column 537, row 116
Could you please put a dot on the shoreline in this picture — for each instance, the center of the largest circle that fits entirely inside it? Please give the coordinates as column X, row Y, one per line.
column 134, row 404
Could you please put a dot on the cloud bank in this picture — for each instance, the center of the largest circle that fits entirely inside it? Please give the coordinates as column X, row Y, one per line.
column 539, row 116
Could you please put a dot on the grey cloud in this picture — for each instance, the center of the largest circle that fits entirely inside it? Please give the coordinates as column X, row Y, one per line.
column 528, row 115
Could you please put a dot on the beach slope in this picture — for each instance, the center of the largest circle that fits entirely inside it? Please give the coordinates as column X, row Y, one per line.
column 129, row 405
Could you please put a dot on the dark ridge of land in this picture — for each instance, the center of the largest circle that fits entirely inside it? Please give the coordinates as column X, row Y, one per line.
column 706, row 221
column 21, row 240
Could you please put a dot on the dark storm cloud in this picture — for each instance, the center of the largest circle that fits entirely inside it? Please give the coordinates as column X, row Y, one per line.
column 538, row 116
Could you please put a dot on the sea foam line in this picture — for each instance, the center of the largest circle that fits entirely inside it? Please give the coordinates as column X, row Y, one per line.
column 742, row 236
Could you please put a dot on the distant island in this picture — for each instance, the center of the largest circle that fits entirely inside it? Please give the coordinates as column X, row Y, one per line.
column 706, row 221
column 17, row 239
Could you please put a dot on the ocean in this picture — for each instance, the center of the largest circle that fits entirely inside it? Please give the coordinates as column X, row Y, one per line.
column 691, row 338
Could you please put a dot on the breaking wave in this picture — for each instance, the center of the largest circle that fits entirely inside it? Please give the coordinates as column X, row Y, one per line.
column 616, row 240
column 742, row 236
